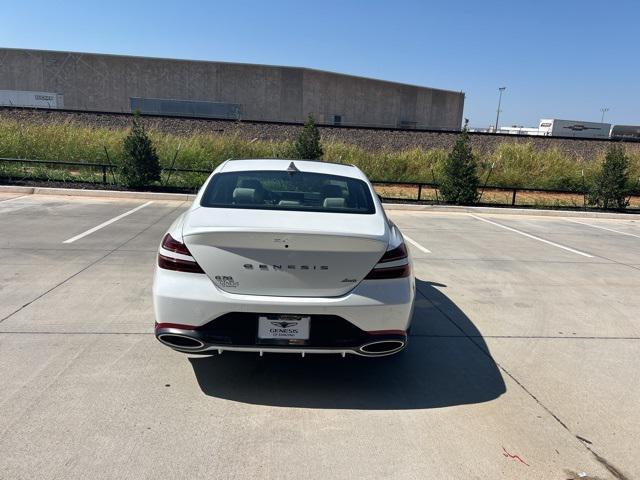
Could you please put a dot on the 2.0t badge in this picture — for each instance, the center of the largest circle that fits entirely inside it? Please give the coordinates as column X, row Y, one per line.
column 225, row 281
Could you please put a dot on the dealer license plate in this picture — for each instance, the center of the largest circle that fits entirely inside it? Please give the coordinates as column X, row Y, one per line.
column 283, row 327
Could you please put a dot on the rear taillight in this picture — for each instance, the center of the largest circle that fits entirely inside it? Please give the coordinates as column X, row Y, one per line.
column 390, row 272
column 175, row 255
column 171, row 244
column 393, row 264
column 398, row 253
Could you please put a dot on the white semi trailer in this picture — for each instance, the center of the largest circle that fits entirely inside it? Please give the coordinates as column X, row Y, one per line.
column 22, row 98
column 573, row 128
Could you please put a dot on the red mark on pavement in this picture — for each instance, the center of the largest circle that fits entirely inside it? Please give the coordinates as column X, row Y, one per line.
column 516, row 457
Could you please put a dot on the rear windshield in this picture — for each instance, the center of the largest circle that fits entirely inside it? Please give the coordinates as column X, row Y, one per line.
column 277, row 190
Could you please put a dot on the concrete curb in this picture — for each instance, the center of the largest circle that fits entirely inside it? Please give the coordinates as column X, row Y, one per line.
column 76, row 192
column 509, row 211
column 16, row 189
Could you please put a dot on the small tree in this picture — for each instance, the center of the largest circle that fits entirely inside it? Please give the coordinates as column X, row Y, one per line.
column 140, row 165
column 460, row 178
column 307, row 146
column 609, row 188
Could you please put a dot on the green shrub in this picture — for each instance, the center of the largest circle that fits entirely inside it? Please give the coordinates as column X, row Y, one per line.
column 460, row 180
column 140, row 165
column 610, row 186
column 307, row 146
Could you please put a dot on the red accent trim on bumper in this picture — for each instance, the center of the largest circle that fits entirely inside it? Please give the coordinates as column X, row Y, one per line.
column 174, row 325
column 387, row 332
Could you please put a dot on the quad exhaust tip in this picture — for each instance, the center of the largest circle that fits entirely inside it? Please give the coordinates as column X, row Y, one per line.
column 180, row 341
column 382, row 347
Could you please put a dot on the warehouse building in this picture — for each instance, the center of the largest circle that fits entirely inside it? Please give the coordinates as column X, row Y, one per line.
column 115, row 83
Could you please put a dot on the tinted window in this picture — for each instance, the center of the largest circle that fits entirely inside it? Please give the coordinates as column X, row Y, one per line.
column 302, row 191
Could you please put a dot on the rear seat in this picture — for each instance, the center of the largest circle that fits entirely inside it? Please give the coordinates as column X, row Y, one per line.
column 334, row 202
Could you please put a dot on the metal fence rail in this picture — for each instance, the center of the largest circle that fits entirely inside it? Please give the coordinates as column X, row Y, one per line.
column 97, row 166
column 419, row 187
column 104, row 168
column 512, row 190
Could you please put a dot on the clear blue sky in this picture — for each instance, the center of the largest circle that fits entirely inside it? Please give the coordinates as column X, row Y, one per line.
column 560, row 59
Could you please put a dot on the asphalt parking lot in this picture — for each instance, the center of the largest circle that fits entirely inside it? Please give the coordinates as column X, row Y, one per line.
column 523, row 360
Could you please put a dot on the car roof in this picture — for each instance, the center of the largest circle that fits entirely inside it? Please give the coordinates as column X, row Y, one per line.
column 326, row 168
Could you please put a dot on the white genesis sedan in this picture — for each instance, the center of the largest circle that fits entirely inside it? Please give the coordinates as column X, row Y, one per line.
column 284, row 256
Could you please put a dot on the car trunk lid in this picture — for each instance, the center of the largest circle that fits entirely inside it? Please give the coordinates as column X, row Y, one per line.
column 300, row 254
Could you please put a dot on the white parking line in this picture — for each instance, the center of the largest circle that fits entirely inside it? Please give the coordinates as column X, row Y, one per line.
column 108, row 222
column 416, row 244
column 602, row 228
column 14, row 198
column 533, row 237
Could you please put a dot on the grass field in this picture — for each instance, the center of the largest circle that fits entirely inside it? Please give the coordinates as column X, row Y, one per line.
column 518, row 165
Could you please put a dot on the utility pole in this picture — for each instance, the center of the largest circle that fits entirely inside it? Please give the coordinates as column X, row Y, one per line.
column 502, row 89
column 603, row 110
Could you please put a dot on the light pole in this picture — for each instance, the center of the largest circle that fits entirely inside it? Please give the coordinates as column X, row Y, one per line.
column 603, row 110
column 502, row 89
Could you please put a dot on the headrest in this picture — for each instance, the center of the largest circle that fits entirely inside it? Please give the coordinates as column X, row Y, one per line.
column 333, row 202
column 244, row 195
column 290, row 203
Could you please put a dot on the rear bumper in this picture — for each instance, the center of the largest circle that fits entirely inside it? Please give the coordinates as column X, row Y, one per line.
column 189, row 304
column 205, row 340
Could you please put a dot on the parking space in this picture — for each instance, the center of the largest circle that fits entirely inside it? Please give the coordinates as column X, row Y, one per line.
column 599, row 238
column 34, row 258
column 521, row 286
column 522, row 361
